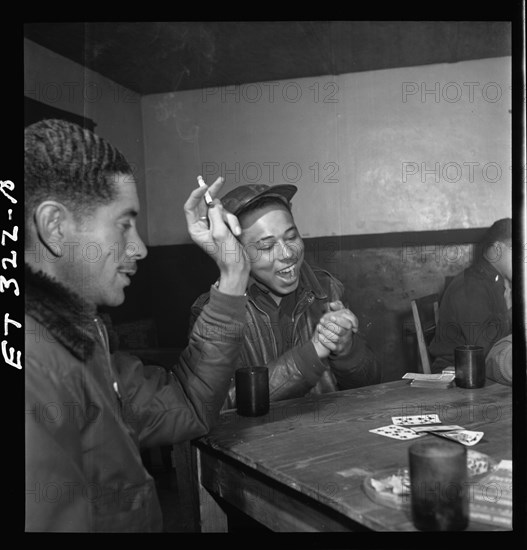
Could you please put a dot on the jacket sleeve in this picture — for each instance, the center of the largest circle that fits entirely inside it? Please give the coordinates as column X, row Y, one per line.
column 357, row 368
column 291, row 375
column 295, row 372
column 54, row 478
column 170, row 406
column 498, row 362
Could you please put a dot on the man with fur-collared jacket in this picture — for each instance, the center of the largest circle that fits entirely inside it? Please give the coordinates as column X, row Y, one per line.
column 88, row 410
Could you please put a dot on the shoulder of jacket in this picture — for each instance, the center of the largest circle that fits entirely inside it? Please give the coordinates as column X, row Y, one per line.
column 201, row 301
column 475, row 283
column 45, row 353
column 52, row 360
column 321, row 273
column 327, row 279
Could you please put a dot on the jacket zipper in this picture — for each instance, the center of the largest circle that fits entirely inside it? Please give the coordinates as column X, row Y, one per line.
column 294, row 320
column 105, row 343
column 309, row 300
column 103, row 335
column 273, row 339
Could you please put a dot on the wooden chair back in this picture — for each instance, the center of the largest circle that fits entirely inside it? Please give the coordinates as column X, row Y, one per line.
column 425, row 312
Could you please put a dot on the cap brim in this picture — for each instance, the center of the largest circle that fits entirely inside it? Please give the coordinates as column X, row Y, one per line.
column 284, row 192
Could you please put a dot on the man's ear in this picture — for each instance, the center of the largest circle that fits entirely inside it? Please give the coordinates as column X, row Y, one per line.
column 494, row 252
column 51, row 218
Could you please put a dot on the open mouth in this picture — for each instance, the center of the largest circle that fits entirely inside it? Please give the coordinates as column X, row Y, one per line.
column 288, row 273
column 126, row 274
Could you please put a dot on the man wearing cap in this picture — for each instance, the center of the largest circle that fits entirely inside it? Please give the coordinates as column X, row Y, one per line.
column 296, row 323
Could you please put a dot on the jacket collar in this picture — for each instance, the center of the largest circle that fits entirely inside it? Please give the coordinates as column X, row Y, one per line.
column 64, row 314
column 488, row 271
column 308, row 284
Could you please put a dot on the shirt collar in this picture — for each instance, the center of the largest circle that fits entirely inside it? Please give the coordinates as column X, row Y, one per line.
column 257, row 290
column 489, row 271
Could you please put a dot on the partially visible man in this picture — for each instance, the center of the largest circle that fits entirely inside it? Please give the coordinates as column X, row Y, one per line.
column 476, row 308
column 88, row 412
column 296, row 323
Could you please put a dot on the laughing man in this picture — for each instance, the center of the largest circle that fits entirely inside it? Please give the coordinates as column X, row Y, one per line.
column 296, row 323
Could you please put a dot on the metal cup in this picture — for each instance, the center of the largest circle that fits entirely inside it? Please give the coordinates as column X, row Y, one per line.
column 252, row 391
column 470, row 366
column 438, row 479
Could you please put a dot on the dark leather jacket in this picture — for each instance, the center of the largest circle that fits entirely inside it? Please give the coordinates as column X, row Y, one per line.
column 287, row 378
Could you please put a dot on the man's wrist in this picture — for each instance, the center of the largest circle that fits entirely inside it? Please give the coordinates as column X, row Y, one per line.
column 308, row 362
column 233, row 282
column 343, row 351
column 320, row 349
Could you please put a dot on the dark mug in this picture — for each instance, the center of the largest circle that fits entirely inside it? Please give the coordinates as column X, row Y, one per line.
column 469, row 363
column 438, row 481
column 252, row 391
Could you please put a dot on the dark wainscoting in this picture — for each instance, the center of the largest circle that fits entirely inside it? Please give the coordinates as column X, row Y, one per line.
column 381, row 273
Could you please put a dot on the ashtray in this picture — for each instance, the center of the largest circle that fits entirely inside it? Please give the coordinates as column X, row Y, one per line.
column 391, row 487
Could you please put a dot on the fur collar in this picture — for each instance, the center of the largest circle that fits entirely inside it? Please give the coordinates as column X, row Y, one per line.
column 64, row 314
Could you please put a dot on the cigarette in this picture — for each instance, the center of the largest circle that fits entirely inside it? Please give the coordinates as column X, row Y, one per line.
column 208, row 198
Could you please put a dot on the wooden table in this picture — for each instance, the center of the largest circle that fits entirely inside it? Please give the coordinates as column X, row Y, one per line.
column 301, row 466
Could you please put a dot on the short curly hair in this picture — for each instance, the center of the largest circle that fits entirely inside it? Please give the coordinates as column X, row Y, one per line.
column 500, row 230
column 69, row 164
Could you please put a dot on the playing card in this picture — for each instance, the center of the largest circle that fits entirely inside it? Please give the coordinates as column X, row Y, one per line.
column 415, row 420
column 396, row 432
column 466, row 437
column 441, row 428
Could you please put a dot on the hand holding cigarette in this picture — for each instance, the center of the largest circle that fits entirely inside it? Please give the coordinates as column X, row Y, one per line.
column 214, row 229
column 208, row 198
